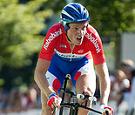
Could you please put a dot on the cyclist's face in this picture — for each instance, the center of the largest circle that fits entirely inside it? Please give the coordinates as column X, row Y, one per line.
column 76, row 32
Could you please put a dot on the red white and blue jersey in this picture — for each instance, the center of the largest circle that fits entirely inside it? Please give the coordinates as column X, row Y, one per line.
column 56, row 42
column 76, row 62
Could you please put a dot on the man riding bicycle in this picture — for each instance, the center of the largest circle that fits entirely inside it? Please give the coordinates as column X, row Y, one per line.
column 71, row 46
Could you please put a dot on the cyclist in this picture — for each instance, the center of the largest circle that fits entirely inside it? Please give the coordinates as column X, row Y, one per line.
column 70, row 47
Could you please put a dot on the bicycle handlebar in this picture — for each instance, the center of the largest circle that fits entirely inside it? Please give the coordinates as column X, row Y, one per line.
column 75, row 104
column 82, row 96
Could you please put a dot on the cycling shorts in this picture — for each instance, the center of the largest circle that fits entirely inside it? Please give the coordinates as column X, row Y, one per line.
column 59, row 68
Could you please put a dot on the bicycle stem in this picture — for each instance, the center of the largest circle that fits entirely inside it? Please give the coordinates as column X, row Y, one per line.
column 65, row 84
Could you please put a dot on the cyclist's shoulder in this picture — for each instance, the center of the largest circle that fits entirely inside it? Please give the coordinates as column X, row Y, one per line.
column 56, row 27
column 55, row 31
column 92, row 34
column 91, row 30
column 93, row 38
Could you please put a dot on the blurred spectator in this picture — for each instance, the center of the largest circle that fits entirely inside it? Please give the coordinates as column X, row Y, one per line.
column 119, row 86
column 28, row 99
column 32, row 96
column 3, row 100
column 131, row 109
column 24, row 101
column 128, row 66
column 14, row 102
column 18, row 101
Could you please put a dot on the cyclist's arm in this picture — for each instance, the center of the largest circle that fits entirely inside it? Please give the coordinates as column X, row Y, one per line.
column 39, row 76
column 44, row 60
column 102, row 72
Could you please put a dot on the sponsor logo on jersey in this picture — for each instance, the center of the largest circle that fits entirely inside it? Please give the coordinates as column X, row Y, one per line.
column 70, row 55
column 51, row 37
column 94, row 41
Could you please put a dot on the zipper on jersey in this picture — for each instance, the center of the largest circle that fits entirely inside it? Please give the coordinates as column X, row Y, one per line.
column 71, row 52
column 69, row 41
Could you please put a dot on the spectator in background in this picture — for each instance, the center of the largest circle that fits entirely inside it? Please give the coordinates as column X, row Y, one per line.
column 3, row 101
column 128, row 67
column 14, row 103
column 119, row 86
column 28, row 99
column 131, row 109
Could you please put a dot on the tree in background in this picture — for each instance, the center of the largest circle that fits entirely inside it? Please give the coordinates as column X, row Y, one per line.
column 20, row 25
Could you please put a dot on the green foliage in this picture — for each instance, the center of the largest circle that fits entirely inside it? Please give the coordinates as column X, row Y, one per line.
column 19, row 29
column 112, row 16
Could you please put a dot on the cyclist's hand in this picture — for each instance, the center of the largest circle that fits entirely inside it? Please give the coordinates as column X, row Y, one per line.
column 54, row 101
column 106, row 110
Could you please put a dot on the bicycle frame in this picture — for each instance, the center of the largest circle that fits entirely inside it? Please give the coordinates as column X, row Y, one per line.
column 73, row 106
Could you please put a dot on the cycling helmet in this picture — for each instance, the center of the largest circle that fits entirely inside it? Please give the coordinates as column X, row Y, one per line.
column 74, row 12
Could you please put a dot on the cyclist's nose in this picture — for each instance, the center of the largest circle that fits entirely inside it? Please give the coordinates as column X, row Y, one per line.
column 80, row 31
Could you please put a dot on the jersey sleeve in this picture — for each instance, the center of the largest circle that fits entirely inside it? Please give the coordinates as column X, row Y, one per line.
column 47, row 49
column 96, row 47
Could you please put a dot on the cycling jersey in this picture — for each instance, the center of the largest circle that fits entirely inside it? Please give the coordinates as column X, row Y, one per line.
column 76, row 62
column 56, row 43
